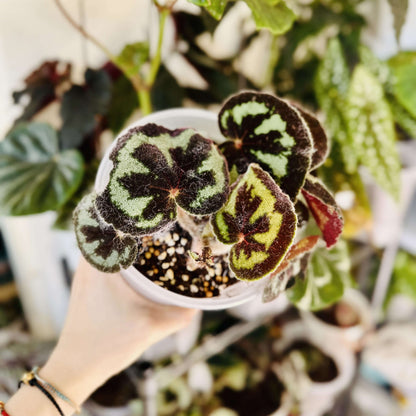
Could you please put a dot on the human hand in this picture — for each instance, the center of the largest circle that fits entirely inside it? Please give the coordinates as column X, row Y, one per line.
column 108, row 326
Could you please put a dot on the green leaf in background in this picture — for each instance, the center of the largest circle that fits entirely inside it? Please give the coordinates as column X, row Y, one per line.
column 215, row 7
column 371, row 127
column 377, row 67
column 272, row 14
column 34, row 176
column 80, row 106
column 325, row 279
column 399, row 10
column 403, row 118
column 403, row 66
column 132, row 57
column 404, row 277
column 331, row 87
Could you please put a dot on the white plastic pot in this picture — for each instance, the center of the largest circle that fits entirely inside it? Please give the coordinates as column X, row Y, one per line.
column 320, row 397
column 206, row 123
column 350, row 336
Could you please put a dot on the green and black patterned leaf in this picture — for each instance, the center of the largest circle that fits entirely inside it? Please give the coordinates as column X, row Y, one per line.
column 104, row 247
column 324, row 209
column 156, row 169
column 295, row 262
column 260, row 221
column 319, row 139
column 264, row 129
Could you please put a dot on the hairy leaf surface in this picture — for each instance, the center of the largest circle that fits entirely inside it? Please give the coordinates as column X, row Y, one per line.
column 266, row 130
column 105, row 248
column 319, row 139
column 34, row 176
column 260, row 221
column 153, row 170
column 324, row 209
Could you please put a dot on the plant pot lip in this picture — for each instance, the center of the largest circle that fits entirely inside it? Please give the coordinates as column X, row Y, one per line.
column 344, row 359
column 355, row 299
column 203, row 121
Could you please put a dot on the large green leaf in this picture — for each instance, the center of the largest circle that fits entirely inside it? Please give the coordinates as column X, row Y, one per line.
column 325, row 279
column 371, row 127
column 331, row 87
column 268, row 14
column 34, row 176
column 403, row 66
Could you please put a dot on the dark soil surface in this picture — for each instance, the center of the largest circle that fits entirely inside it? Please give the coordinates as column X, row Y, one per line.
column 164, row 260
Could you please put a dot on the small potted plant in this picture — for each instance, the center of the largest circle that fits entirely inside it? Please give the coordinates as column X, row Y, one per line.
column 172, row 209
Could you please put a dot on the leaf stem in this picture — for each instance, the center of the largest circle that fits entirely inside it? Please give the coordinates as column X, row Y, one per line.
column 156, row 61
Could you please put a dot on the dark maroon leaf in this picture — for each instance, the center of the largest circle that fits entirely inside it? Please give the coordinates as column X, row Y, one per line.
column 324, row 209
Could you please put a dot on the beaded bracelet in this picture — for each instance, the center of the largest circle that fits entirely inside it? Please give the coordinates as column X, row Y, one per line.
column 30, row 380
column 3, row 410
column 51, row 389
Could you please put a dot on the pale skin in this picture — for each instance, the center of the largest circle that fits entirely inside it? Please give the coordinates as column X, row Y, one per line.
column 108, row 327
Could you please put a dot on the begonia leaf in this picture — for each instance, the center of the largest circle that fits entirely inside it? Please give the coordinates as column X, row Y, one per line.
column 324, row 209
column 260, row 221
column 155, row 169
column 104, row 247
column 319, row 139
column 266, row 130
column 295, row 262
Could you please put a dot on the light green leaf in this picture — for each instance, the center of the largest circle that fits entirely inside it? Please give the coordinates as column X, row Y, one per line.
column 403, row 118
column 34, row 176
column 268, row 14
column 272, row 15
column 133, row 56
column 399, row 10
column 403, row 66
column 404, row 276
column 215, row 7
column 325, row 279
column 378, row 68
column 371, row 127
column 331, row 87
